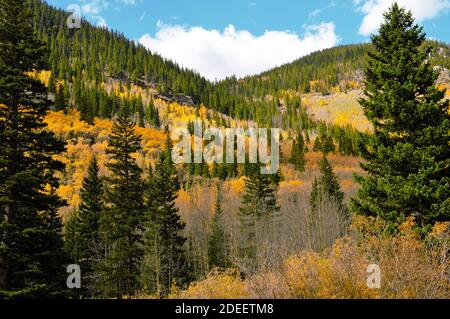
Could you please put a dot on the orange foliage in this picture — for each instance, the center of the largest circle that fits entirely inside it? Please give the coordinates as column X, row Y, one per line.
column 218, row 285
column 237, row 186
column 340, row 274
column 83, row 141
column 410, row 268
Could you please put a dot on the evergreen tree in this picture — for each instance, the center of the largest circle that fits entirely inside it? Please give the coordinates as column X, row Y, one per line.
column 51, row 84
column 327, row 187
column 85, row 246
column 169, row 161
column 217, row 238
column 328, row 144
column 317, row 144
column 152, row 115
column 326, row 190
column 215, row 170
column 31, row 246
column 298, row 153
column 121, row 222
column 259, row 201
column 165, row 262
column 60, row 99
column 260, row 196
column 71, row 236
column 408, row 156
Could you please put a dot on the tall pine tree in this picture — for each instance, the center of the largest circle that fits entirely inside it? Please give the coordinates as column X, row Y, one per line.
column 326, row 198
column 165, row 262
column 260, row 198
column 122, row 221
column 327, row 188
column 298, row 153
column 408, row 156
column 31, row 245
column 61, row 99
column 217, row 238
column 259, row 201
column 83, row 229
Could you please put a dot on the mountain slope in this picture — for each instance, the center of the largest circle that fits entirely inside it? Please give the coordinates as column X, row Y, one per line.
column 90, row 59
column 96, row 54
column 321, row 71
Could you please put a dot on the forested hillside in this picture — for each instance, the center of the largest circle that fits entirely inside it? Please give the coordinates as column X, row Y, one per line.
column 88, row 58
column 87, row 174
column 100, row 73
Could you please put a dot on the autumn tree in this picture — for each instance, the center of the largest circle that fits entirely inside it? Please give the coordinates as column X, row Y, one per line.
column 31, row 246
column 407, row 158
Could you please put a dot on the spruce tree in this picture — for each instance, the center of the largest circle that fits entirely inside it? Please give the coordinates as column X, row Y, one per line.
column 260, row 198
column 51, row 84
column 60, row 99
column 121, row 222
column 152, row 115
column 169, row 161
column 216, row 237
column 327, row 187
column 84, row 245
column 324, row 143
column 165, row 262
column 317, row 144
column 259, row 201
column 328, row 144
column 326, row 197
column 407, row 158
column 298, row 153
column 31, row 246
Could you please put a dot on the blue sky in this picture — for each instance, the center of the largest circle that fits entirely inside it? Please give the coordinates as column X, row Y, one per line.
column 224, row 37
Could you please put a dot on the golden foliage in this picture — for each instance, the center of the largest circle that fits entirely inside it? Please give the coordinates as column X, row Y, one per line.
column 43, row 76
column 341, row 274
column 339, row 108
column 411, row 267
column 218, row 285
column 237, row 186
column 83, row 141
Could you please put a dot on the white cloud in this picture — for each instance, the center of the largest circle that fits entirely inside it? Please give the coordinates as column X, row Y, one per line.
column 94, row 7
column 373, row 10
column 216, row 54
column 315, row 13
column 101, row 22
